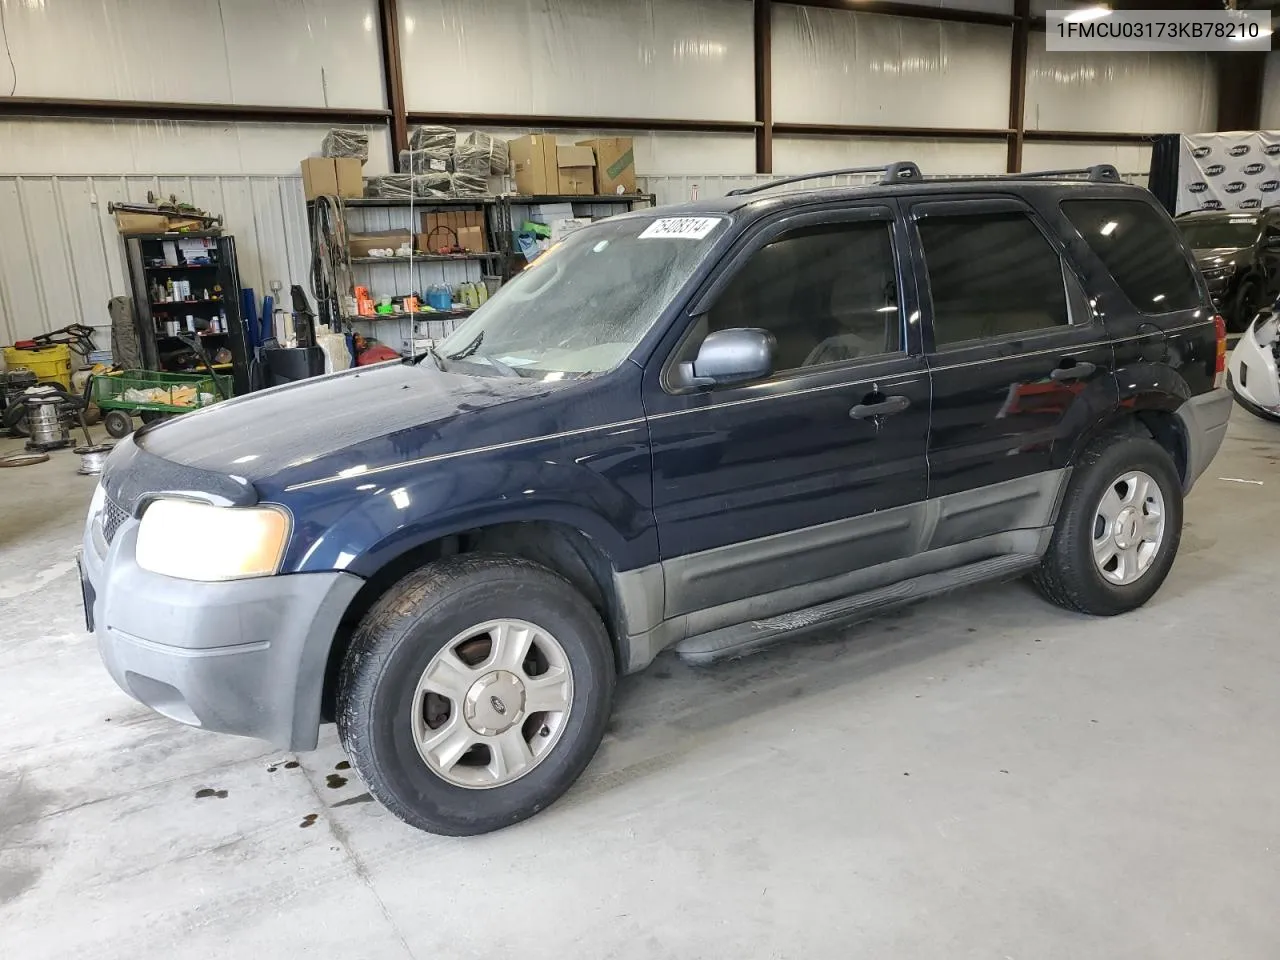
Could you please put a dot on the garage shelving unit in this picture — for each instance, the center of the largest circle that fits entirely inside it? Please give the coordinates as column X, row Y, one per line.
column 161, row 351
column 400, row 276
column 513, row 209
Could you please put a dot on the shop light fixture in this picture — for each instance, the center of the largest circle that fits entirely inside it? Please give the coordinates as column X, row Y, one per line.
column 1085, row 14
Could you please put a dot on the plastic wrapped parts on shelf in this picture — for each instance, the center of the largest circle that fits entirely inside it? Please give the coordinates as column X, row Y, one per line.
column 340, row 143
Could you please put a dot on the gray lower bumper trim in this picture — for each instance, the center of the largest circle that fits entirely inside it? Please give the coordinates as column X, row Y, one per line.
column 245, row 657
column 1204, row 424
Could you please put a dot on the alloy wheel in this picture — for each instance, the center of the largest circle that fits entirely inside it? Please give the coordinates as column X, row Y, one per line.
column 492, row 703
column 1128, row 527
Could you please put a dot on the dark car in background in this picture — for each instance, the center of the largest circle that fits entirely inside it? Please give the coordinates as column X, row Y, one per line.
column 1239, row 255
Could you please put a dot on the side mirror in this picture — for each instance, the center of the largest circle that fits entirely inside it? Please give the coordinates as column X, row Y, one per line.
column 730, row 356
column 1273, row 242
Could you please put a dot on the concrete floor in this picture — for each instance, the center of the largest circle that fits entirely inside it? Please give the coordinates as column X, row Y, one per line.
column 983, row 776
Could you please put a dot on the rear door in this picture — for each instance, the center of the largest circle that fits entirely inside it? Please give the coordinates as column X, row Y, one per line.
column 1015, row 355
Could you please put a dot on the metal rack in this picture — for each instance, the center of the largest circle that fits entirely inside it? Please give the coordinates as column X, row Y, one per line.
column 605, row 205
column 398, row 276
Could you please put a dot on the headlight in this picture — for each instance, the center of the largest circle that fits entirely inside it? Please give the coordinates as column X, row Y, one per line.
column 1217, row 273
column 99, row 498
column 195, row 541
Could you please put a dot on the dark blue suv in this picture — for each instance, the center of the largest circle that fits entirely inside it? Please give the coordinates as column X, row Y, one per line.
column 704, row 427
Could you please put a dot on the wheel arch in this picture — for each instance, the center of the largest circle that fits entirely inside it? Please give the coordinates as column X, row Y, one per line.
column 560, row 545
column 1153, row 415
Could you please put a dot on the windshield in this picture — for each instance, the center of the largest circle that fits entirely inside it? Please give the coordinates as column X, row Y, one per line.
column 1227, row 232
column 583, row 305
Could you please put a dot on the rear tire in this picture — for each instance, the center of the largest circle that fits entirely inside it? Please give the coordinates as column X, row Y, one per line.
column 442, row 765
column 1083, row 569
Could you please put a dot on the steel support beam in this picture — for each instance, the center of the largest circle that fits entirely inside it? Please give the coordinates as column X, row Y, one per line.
column 557, row 122
column 78, row 109
column 763, row 35
column 1018, row 84
column 393, row 78
column 911, row 10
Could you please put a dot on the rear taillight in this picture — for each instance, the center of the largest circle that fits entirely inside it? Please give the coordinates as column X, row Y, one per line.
column 1220, row 359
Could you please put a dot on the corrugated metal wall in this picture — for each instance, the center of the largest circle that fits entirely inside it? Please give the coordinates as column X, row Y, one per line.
column 61, row 259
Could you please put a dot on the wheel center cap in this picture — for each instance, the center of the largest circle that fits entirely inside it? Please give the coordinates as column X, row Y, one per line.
column 495, row 703
column 1125, row 530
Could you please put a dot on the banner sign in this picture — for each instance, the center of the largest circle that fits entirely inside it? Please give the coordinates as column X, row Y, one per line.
column 1229, row 171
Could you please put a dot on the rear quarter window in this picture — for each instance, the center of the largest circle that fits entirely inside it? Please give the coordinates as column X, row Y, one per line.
column 1140, row 248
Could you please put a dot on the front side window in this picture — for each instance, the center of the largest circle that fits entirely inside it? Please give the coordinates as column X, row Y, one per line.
column 582, row 306
column 991, row 275
column 1140, row 248
column 827, row 293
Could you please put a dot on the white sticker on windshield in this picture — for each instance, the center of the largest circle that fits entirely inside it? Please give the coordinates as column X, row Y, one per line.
column 680, row 228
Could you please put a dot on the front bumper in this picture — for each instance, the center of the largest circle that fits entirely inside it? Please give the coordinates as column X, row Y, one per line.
column 1204, row 424
column 245, row 657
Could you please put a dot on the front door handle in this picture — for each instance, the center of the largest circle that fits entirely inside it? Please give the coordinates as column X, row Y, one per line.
column 885, row 408
column 1077, row 371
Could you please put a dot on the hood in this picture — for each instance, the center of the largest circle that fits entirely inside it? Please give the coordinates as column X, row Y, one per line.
column 1210, row 257
column 297, row 425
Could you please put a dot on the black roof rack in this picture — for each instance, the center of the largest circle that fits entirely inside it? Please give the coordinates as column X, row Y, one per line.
column 902, row 171
column 895, row 172
column 1098, row 173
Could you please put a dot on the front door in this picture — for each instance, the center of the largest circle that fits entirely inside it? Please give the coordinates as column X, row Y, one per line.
column 1018, row 362
column 770, row 496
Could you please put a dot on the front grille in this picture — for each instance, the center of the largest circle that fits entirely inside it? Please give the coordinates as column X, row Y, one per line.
column 112, row 516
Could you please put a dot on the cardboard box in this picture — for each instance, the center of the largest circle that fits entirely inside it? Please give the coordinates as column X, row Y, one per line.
column 549, row 213
column 471, row 239
column 360, row 244
column 350, row 179
column 131, row 224
column 533, row 164
column 576, row 167
column 562, row 228
column 327, row 176
column 615, row 164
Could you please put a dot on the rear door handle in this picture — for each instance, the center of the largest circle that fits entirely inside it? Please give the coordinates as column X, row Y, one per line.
column 886, row 408
column 1077, row 371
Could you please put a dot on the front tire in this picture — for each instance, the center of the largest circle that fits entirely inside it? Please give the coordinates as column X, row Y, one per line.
column 1244, row 306
column 474, row 693
column 1118, row 528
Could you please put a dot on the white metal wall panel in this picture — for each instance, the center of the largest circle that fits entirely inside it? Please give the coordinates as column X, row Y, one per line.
column 61, row 258
column 312, row 53
column 1132, row 161
column 72, row 147
column 1119, row 92
column 642, row 58
column 935, row 157
column 831, row 66
column 1271, row 93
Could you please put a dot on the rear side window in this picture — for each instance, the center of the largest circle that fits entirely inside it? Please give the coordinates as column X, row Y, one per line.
column 1140, row 248
column 991, row 275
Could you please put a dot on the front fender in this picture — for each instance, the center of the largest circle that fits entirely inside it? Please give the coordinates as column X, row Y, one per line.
column 361, row 526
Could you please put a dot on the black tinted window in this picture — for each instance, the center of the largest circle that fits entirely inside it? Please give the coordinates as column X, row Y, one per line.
column 991, row 275
column 1140, row 247
column 826, row 293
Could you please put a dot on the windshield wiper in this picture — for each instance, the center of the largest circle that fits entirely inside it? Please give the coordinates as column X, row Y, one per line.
column 503, row 368
column 469, row 349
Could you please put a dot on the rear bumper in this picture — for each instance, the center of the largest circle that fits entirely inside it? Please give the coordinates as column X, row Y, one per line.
column 1204, row 424
column 245, row 657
